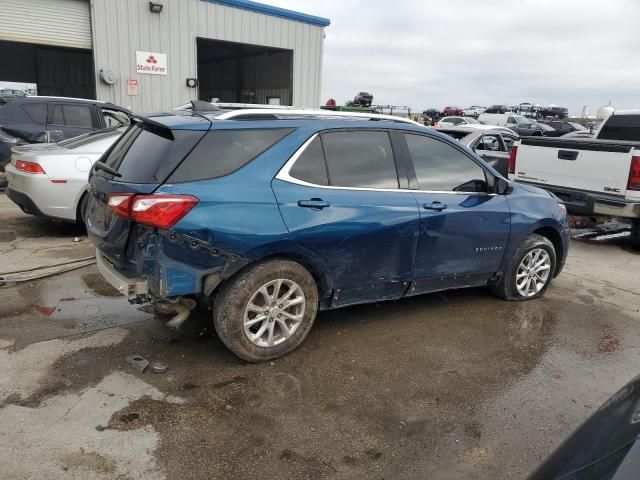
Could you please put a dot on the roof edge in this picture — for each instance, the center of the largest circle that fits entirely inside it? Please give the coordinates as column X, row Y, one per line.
column 274, row 11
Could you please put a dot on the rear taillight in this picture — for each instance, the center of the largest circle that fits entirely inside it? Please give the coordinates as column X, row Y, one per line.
column 512, row 159
column 634, row 174
column 29, row 167
column 120, row 203
column 161, row 211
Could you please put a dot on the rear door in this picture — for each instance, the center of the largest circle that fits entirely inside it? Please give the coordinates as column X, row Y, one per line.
column 352, row 212
column 464, row 228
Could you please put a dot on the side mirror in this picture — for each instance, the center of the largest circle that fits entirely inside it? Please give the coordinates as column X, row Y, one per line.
column 502, row 186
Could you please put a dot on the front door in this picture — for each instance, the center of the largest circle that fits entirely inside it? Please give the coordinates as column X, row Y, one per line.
column 340, row 199
column 464, row 229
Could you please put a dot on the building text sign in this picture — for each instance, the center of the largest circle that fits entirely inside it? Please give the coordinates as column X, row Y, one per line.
column 150, row 62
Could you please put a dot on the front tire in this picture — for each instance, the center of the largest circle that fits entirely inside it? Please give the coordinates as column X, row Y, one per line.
column 530, row 271
column 267, row 310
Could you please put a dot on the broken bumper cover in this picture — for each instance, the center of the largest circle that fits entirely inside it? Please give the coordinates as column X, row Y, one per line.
column 132, row 288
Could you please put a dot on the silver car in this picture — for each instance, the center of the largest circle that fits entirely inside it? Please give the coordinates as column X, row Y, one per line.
column 50, row 179
column 492, row 144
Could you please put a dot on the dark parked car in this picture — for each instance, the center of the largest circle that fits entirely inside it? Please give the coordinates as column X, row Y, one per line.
column 268, row 217
column 531, row 129
column 497, row 109
column 51, row 119
column 553, row 111
column 562, row 128
column 605, row 447
column 492, row 145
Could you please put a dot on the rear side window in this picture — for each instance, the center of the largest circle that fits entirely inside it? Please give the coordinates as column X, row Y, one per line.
column 37, row 112
column 442, row 168
column 621, row 127
column 141, row 156
column 222, row 152
column 71, row 116
column 310, row 166
column 360, row 159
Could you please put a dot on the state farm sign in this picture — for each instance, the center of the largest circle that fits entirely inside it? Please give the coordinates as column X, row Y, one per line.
column 150, row 62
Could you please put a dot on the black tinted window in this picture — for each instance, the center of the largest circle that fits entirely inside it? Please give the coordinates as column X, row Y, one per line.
column 141, row 156
column 441, row 167
column 71, row 116
column 225, row 151
column 77, row 116
column 37, row 112
column 310, row 166
column 360, row 159
column 621, row 127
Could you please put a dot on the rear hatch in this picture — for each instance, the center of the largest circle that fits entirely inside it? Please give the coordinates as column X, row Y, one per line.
column 582, row 164
column 143, row 158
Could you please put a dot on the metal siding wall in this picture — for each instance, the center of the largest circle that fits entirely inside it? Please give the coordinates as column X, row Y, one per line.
column 120, row 27
column 64, row 23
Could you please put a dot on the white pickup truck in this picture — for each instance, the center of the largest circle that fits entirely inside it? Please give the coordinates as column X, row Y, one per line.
column 592, row 176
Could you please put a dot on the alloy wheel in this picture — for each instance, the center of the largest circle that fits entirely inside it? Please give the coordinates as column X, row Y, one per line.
column 274, row 312
column 533, row 272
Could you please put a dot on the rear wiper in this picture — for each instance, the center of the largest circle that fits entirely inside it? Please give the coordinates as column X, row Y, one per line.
column 98, row 165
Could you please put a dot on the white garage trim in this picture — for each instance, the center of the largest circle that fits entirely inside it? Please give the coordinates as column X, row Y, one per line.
column 65, row 23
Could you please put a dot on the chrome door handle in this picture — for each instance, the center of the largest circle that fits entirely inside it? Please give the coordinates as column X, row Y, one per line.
column 437, row 206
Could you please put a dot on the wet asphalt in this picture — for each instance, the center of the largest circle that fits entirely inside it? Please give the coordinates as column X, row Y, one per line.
column 443, row 386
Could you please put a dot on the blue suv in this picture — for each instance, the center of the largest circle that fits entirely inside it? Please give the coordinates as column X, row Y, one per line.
column 269, row 217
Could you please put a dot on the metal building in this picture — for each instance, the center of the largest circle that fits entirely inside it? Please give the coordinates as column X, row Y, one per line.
column 156, row 55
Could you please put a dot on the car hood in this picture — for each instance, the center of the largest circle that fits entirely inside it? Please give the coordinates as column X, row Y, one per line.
column 534, row 190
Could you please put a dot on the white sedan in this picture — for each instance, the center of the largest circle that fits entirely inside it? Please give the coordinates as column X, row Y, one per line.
column 50, row 179
column 456, row 122
column 473, row 111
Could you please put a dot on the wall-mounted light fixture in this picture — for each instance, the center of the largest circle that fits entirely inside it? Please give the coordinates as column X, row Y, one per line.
column 155, row 7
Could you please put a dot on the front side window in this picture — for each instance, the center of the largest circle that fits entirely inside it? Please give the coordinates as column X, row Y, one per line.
column 443, row 168
column 360, row 159
column 508, row 141
column 489, row 143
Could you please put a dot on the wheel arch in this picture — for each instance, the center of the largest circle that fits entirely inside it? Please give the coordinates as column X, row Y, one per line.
column 319, row 273
column 555, row 238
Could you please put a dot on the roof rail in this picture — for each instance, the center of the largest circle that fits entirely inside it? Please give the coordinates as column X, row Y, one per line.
column 266, row 113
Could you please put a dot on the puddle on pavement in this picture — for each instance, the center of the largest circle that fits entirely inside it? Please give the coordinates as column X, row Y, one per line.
column 70, row 303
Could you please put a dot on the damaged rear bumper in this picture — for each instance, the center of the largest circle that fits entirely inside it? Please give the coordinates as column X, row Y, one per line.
column 135, row 289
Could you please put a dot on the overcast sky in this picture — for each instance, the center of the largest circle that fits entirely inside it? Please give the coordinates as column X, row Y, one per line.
column 432, row 53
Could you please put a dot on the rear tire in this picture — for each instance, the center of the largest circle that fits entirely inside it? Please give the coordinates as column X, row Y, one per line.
column 530, row 271
column 267, row 310
column 635, row 233
column 82, row 210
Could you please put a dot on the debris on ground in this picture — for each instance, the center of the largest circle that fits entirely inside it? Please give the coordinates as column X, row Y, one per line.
column 158, row 368
column 138, row 362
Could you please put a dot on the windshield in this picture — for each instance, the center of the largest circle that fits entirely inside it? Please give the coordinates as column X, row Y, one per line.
column 577, row 126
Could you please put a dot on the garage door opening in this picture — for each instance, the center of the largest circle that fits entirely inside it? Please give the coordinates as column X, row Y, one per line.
column 56, row 71
column 244, row 73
